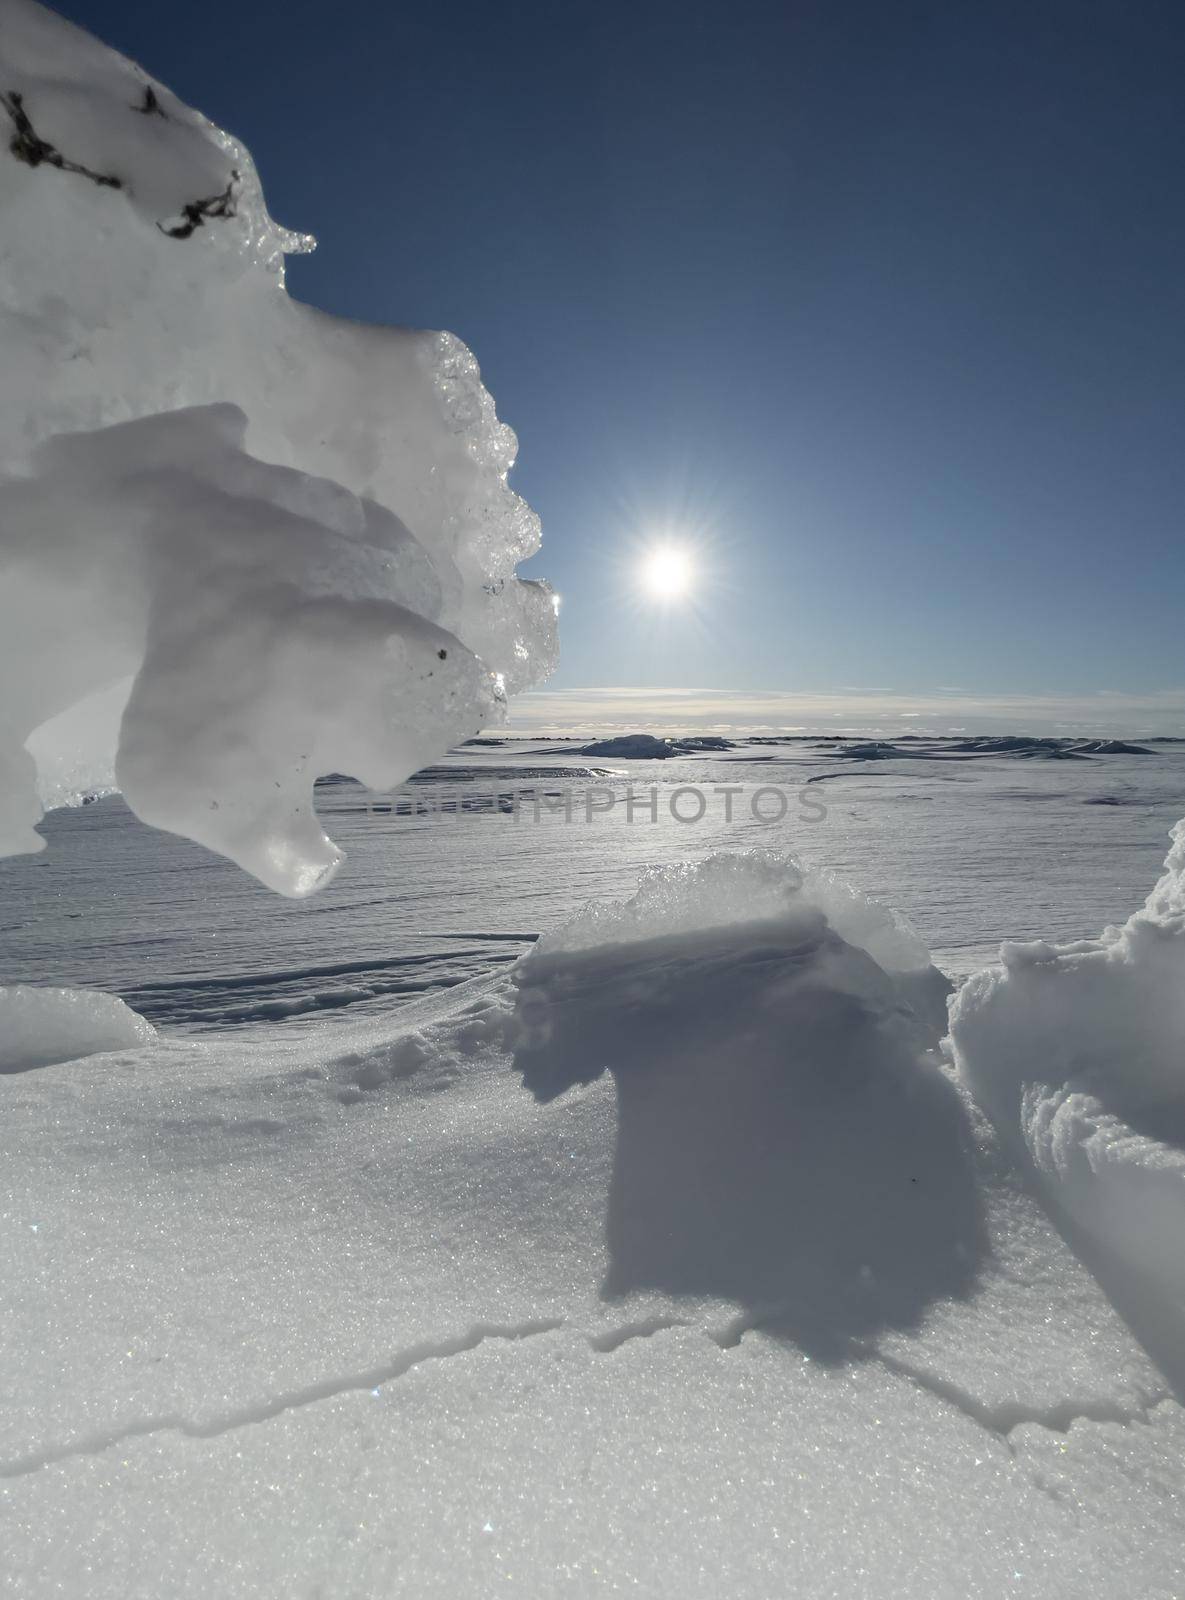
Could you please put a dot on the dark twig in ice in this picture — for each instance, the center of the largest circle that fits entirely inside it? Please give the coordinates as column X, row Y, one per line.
column 197, row 211
column 151, row 106
column 27, row 146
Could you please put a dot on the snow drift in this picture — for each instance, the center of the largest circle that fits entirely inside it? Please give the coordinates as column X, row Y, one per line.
column 784, row 1141
column 1078, row 1053
column 279, row 543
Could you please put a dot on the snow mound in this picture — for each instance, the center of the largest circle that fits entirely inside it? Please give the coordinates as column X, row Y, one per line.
column 632, row 747
column 871, row 751
column 1023, row 746
column 1111, row 747
column 272, row 543
column 1078, row 1053
column 749, row 887
column 41, row 1027
column 767, row 1070
column 649, row 747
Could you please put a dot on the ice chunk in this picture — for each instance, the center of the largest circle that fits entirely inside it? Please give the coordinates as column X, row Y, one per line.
column 284, row 541
column 39, row 1027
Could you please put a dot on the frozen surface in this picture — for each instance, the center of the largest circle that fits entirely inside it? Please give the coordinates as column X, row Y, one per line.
column 672, row 1260
column 39, row 1026
column 275, row 544
column 1078, row 1051
column 971, row 853
column 604, row 1272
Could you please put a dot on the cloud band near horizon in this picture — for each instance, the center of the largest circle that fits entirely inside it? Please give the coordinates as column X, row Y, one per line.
column 857, row 710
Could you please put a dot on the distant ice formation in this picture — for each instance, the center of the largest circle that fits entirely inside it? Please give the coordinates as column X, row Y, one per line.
column 632, row 747
column 242, row 543
column 649, row 747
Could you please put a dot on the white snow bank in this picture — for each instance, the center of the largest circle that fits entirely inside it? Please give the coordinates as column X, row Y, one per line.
column 39, row 1027
column 1078, row 1053
column 286, row 540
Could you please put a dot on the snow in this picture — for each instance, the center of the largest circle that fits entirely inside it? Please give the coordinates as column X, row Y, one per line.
column 542, row 1208
column 279, row 544
column 754, row 888
column 40, row 1026
column 761, row 1062
column 634, row 746
column 672, row 1259
column 971, row 854
column 597, row 1271
column 1076, row 1051
column 650, row 747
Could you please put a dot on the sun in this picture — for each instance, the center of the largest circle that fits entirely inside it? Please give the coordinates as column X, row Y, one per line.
column 667, row 573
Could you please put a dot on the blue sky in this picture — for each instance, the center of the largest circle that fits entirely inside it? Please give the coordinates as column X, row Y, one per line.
column 882, row 307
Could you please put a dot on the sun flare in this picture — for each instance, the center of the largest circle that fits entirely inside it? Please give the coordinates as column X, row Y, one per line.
column 667, row 573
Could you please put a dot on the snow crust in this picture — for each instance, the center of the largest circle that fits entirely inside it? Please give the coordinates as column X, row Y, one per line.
column 41, row 1026
column 280, row 543
column 746, row 888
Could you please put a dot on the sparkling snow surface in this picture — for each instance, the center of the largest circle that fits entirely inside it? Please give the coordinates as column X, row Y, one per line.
column 439, row 883
column 321, row 1297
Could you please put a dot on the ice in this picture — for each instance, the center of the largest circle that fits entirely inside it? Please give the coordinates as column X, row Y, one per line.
column 41, row 1026
column 277, row 543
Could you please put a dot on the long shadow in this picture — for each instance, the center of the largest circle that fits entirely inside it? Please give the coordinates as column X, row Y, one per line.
column 780, row 1141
